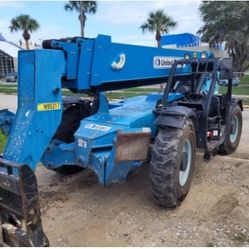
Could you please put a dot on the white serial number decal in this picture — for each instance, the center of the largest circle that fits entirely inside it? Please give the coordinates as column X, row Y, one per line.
column 82, row 143
column 98, row 127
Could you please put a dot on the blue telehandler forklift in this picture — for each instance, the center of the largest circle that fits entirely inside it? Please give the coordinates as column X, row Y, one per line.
column 112, row 138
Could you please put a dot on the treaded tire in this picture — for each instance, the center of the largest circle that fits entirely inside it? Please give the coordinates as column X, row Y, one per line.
column 167, row 156
column 70, row 123
column 228, row 146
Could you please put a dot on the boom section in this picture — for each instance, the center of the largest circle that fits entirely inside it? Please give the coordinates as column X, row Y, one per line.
column 100, row 65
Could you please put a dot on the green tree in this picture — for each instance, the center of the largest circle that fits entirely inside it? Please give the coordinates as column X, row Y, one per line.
column 26, row 24
column 227, row 23
column 159, row 23
column 82, row 7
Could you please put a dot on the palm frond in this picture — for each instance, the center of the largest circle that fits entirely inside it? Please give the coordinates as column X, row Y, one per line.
column 23, row 22
column 158, row 21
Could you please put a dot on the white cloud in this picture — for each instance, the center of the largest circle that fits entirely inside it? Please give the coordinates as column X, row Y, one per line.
column 48, row 32
column 4, row 28
column 118, row 18
column 13, row 4
column 125, row 15
column 122, row 13
column 144, row 40
column 44, row 32
column 185, row 13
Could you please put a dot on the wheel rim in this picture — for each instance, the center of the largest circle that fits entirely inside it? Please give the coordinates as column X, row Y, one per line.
column 234, row 129
column 185, row 163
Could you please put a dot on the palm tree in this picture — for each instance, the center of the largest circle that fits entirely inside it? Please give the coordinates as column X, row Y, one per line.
column 26, row 24
column 158, row 22
column 83, row 7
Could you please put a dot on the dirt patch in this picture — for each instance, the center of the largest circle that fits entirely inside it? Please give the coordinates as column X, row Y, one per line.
column 225, row 205
column 80, row 212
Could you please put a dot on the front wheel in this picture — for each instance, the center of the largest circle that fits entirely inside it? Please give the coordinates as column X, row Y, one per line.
column 234, row 129
column 172, row 164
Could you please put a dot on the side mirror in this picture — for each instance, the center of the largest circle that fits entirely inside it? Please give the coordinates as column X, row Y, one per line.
column 226, row 69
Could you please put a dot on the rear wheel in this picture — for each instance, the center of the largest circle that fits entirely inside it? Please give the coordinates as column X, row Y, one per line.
column 75, row 109
column 172, row 164
column 234, row 130
column 74, row 112
column 70, row 123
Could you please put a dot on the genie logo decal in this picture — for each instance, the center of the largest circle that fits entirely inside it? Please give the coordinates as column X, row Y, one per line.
column 163, row 62
column 119, row 62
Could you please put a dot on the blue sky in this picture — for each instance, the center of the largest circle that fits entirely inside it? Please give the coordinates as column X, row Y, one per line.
column 120, row 19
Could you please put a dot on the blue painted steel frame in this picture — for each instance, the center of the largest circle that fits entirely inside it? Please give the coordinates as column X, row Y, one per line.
column 6, row 120
column 95, row 140
column 40, row 73
column 82, row 65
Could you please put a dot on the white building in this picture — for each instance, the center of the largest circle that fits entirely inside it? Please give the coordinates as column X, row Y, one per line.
column 8, row 56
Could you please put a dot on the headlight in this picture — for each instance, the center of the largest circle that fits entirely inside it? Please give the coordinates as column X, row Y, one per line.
column 187, row 56
column 204, row 55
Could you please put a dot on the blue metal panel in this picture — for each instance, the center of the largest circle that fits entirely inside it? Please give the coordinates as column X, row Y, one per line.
column 72, row 56
column 40, row 73
column 118, row 172
column 180, row 40
column 94, row 145
column 58, row 154
column 97, row 62
column 85, row 63
column 105, row 53
column 6, row 120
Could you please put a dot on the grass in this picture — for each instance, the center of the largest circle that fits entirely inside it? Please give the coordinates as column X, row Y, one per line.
column 244, row 80
column 126, row 94
column 210, row 244
column 242, row 89
column 2, row 141
column 142, row 89
column 131, row 92
column 239, row 238
column 8, row 90
column 237, row 90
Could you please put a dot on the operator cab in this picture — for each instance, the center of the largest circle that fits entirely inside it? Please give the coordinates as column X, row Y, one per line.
column 199, row 83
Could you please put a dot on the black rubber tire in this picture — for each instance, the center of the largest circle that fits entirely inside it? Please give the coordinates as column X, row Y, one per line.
column 65, row 132
column 228, row 146
column 74, row 111
column 166, row 162
column 69, row 124
column 68, row 170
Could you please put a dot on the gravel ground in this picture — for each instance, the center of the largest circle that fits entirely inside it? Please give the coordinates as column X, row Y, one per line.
column 8, row 101
column 77, row 211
